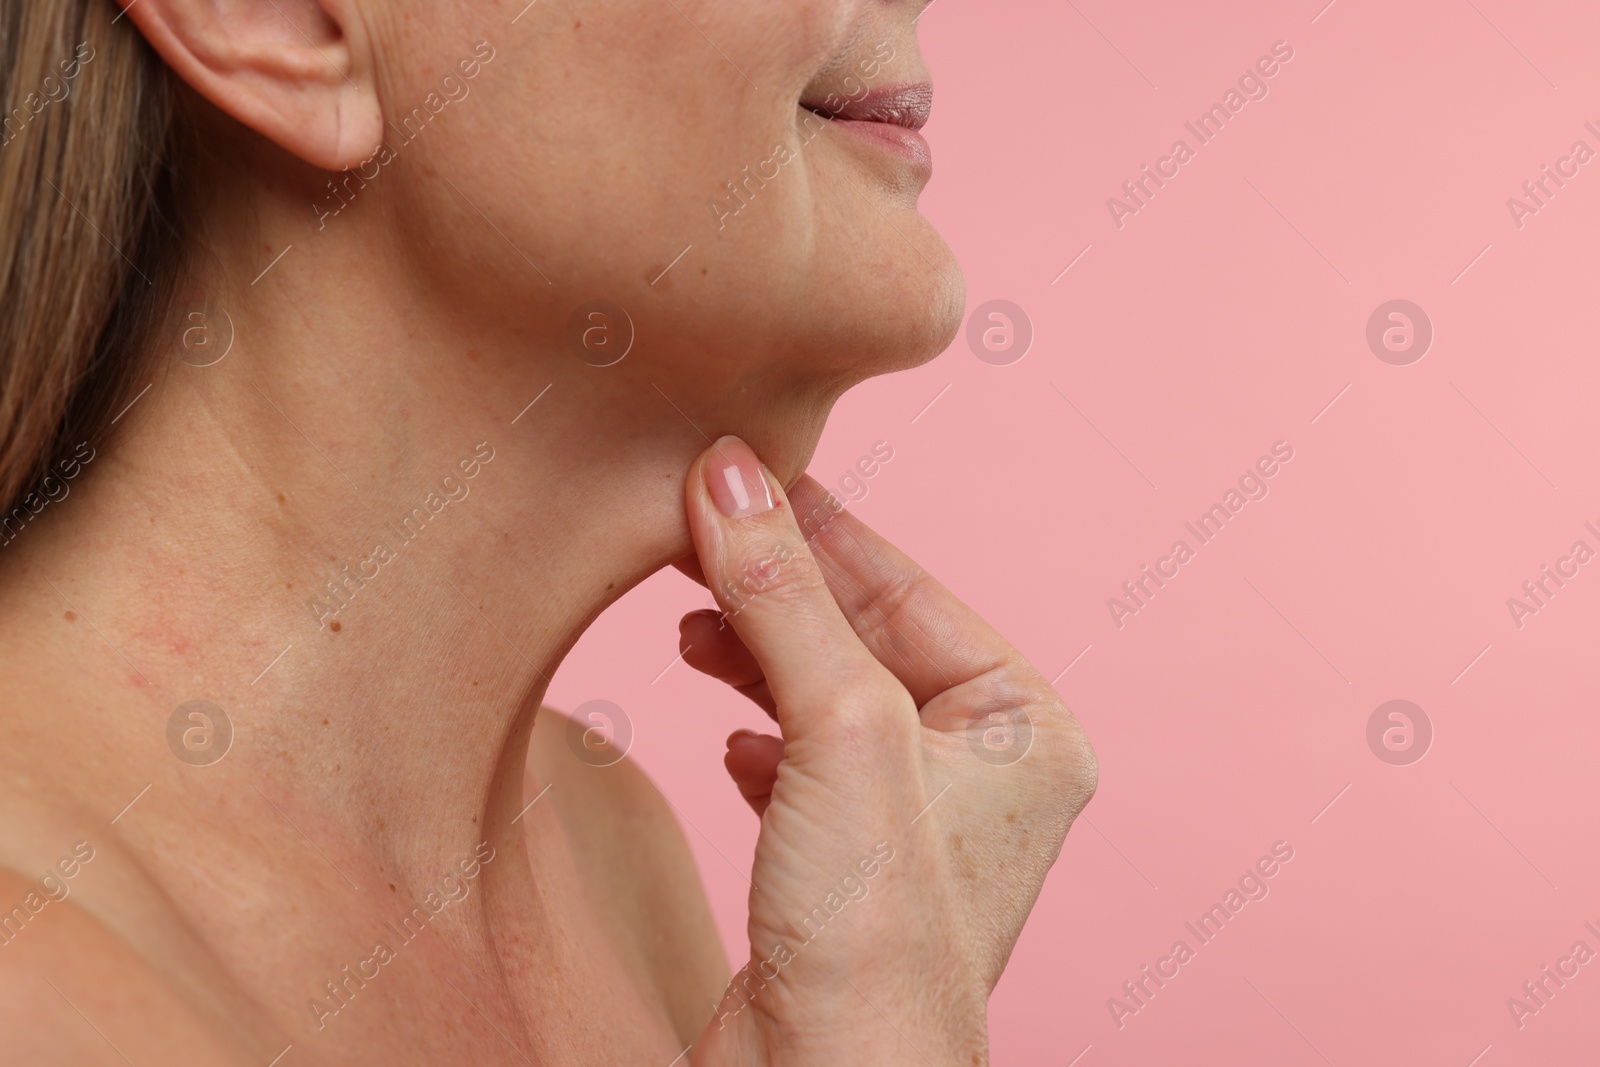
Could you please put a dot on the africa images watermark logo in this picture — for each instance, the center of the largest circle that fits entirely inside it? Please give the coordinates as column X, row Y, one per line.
column 52, row 489
column 851, row 888
column 337, row 593
column 1399, row 732
column 52, row 90
column 452, row 90
column 340, row 991
column 199, row 733
column 1251, row 86
column 999, row 332
column 1251, row 486
column 1399, row 332
column 599, row 733
column 1251, row 887
column 600, row 333
column 1537, row 592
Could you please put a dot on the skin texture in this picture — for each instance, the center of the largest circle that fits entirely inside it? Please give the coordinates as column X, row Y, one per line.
column 378, row 746
column 608, row 835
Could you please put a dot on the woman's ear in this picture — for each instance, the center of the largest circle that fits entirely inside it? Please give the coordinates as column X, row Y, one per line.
column 296, row 71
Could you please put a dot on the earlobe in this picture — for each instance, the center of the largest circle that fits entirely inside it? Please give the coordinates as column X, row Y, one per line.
column 298, row 72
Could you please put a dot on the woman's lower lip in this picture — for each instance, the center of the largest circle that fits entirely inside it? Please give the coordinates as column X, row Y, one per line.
column 902, row 140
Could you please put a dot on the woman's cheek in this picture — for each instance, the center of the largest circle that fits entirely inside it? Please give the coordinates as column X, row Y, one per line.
column 810, row 35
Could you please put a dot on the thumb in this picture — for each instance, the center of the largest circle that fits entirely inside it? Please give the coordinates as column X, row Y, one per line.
column 761, row 570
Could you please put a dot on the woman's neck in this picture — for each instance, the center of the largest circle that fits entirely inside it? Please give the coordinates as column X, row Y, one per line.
column 368, row 534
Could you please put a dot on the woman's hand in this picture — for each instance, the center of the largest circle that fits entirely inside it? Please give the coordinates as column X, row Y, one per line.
column 924, row 781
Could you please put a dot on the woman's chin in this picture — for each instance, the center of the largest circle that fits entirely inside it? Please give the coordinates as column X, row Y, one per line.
column 911, row 327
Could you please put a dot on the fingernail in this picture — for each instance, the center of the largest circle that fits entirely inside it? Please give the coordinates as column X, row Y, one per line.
column 735, row 480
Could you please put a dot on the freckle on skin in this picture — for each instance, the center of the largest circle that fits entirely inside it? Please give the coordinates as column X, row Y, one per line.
column 966, row 866
column 71, row 616
column 334, row 626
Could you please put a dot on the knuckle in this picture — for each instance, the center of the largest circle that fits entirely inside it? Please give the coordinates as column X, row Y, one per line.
column 1068, row 758
column 775, row 570
column 861, row 688
column 898, row 597
column 864, row 706
column 1084, row 775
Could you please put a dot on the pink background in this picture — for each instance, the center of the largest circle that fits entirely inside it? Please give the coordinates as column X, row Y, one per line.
column 1227, row 714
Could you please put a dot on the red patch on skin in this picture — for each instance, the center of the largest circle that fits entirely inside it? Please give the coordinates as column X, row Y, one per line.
column 334, row 626
column 168, row 640
column 71, row 616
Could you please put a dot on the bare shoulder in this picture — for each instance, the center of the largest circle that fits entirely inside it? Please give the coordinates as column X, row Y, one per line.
column 635, row 861
column 74, row 994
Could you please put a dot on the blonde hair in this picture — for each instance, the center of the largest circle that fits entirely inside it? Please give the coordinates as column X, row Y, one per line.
column 89, row 237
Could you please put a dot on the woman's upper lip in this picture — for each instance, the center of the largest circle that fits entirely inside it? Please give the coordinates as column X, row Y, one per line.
column 899, row 105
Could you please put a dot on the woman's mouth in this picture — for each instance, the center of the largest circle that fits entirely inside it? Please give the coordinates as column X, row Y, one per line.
column 890, row 117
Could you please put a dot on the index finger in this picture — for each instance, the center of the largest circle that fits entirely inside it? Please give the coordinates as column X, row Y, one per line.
column 912, row 624
column 764, row 577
